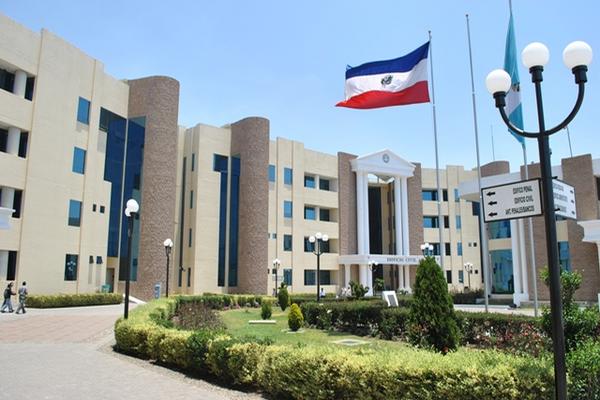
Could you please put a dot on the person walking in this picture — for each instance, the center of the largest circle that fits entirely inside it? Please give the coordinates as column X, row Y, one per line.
column 22, row 298
column 7, row 303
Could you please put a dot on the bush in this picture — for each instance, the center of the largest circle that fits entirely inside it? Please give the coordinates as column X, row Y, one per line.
column 360, row 317
column 295, row 318
column 468, row 297
column 73, row 300
column 197, row 315
column 393, row 323
column 265, row 310
column 583, row 365
column 198, row 344
column 283, row 297
column 432, row 322
column 358, row 291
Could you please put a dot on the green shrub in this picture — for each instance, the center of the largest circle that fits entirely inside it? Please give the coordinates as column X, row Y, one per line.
column 295, row 318
column 359, row 316
column 393, row 323
column 198, row 344
column 283, row 297
column 467, row 297
column 73, row 300
column 197, row 315
column 265, row 310
column 358, row 291
column 378, row 285
column 583, row 366
column 432, row 322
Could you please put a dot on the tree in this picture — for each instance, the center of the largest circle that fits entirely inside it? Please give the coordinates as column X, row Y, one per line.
column 265, row 310
column 295, row 318
column 358, row 290
column 432, row 322
column 283, row 297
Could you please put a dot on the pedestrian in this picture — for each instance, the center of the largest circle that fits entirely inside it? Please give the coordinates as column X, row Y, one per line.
column 7, row 303
column 322, row 294
column 22, row 298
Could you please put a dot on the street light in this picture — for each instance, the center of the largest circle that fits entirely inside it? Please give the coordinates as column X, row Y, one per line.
column 318, row 239
column 130, row 211
column 469, row 268
column 576, row 56
column 168, row 248
column 276, row 265
column 427, row 249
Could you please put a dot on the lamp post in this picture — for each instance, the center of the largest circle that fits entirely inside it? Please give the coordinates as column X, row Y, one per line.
column 168, row 248
column 276, row 265
column 469, row 268
column 130, row 211
column 576, row 56
column 318, row 239
column 372, row 265
column 427, row 249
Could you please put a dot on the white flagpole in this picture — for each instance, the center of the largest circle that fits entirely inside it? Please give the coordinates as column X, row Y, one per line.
column 482, row 229
column 437, row 163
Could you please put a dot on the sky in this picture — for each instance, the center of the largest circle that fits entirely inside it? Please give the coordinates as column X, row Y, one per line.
column 286, row 60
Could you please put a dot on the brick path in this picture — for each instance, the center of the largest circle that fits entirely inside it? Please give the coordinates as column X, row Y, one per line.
column 66, row 354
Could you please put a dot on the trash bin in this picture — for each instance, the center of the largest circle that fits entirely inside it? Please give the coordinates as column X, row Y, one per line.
column 157, row 291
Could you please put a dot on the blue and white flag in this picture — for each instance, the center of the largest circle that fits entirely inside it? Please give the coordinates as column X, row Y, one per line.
column 513, row 97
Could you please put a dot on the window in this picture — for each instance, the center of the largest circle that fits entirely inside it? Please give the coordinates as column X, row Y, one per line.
column 449, row 276
column 94, row 208
column 102, row 208
column 430, row 222
column 310, row 213
column 7, row 80
column 78, row 160
column 74, row 213
column 444, row 195
column 447, row 249
column 287, row 209
column 436, row 249
column 193, row 162
column 564, row 256
column 191, row 199
column 309, row 181
column 83, row 111
column 459, row 248
column 272, row 173
column 456, row 197
column 17, row 201
column 429, row 195
column 324, row 214
column 287, row 176
column 190, row 238
column 499, row 229
column 11, row 269
column 287, row 276
column 287, row 242
column 461, row 277
column 458, row 222
column 475, row 208
column 324, row 184
column 446, row 221
column 308, row 246
column 310, row 277
column 71, row 267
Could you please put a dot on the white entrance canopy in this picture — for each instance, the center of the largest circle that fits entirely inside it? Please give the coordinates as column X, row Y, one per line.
column 382, row 259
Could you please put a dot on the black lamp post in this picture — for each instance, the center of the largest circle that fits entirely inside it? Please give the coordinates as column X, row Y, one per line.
column 317, row 240
column 130, row 211
column 577, row 57
column 469, row 268
column 276, row 265
column 427, row 249
column 168, row 248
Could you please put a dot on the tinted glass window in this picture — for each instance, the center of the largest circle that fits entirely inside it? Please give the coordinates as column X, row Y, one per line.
column 324, row 184
column 287, row 209
column 459, row 248
column 430, row 222
column 308, row 246
column 309, row 181
column 458, row 222
column 287, row 242
column 287, row 276
column 71, row 267
column 287, row 176
column 74, row 213
column 79, row 160
column 272, row 173
column 324, row 215
column 499, row 229
column 310, row 213
column 83, row 111
column 449, row 276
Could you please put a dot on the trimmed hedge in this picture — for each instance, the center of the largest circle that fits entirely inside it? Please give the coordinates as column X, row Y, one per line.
column 332, row 372
column 73, row 300
column 584, row 371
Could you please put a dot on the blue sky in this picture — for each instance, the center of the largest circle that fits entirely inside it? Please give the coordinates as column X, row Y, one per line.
column 286, row 61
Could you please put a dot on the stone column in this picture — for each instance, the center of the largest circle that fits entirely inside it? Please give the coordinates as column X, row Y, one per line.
column 407, row 278
column 20, row 83
column 3, row 264
column 347, row 274
column 398, row 213
column 13, row 141
column 406, row 233
column 516, row 261
column 362, row 219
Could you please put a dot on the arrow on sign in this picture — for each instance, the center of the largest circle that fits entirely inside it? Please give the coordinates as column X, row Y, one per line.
column 491, row 193
column 493, row 214
column 492, row 203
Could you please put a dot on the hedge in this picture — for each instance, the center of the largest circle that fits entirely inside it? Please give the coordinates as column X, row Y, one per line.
column 73, row 300
column 332, row 372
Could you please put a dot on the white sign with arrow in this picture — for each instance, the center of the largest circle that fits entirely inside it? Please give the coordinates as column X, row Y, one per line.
column 515, row 200
column 564, row 199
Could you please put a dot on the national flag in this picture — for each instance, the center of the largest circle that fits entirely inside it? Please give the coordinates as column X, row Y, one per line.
column 513, row 97
column 388, row 83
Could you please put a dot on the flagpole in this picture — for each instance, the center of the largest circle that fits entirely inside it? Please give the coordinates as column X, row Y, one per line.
column 569, row 137
column 493, row 150
column 531, row 243
column 483, row 236
column 437, row 163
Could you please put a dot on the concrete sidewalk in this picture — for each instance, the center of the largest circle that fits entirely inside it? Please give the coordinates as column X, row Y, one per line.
column 67, row 354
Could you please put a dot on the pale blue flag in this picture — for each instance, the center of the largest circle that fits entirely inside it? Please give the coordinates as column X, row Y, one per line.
column 513, row 97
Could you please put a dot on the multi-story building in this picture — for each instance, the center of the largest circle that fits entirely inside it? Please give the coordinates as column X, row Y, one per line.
column 76, row 144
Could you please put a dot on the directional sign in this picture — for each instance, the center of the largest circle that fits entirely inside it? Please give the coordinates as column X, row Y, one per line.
column 514, row 200
column 564, row 199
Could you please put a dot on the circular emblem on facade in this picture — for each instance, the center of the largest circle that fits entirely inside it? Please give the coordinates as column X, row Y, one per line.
column 385, row 158
column 386, row 80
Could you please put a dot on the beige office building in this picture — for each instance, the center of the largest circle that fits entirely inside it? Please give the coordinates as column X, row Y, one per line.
column 76, row 144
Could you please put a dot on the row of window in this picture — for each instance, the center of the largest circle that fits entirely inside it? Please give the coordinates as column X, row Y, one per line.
column 7, row 82
column 432, row 195
column 310, row 212
column 308, row 246
column 309, row 180
column 75, row 212
column 23, row 141
column 430, row 221
column 310, row 277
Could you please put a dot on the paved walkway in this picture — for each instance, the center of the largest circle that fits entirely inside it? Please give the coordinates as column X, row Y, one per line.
column 67, row 354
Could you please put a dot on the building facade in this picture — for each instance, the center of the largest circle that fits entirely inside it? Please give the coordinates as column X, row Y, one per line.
column 76, row 144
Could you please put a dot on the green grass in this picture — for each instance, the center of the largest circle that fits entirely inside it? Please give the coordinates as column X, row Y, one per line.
column 237, row 325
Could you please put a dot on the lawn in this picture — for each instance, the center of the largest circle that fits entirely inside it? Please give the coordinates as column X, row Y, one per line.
column 237, row 325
